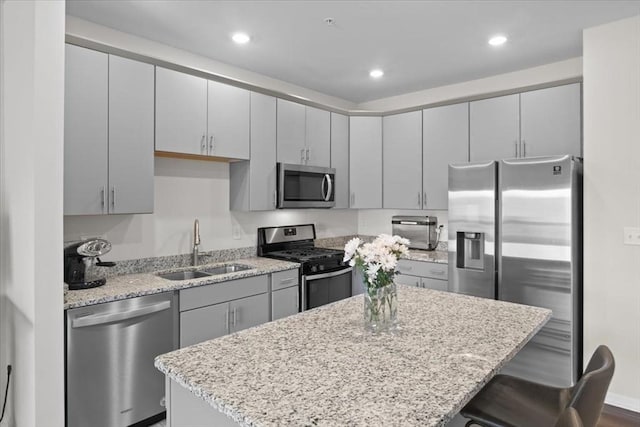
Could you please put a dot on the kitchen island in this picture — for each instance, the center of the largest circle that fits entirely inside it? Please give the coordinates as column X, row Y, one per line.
column 321, row 368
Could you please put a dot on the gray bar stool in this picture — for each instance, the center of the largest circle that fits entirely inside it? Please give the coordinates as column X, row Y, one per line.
column 511, row 401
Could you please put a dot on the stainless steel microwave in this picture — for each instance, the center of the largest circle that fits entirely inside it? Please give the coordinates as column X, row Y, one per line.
column 301, row 186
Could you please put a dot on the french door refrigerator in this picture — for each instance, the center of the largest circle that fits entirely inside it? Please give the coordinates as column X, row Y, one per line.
column 515, row 234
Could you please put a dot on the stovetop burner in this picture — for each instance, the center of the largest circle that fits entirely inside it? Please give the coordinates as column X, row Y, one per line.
column 296, row 243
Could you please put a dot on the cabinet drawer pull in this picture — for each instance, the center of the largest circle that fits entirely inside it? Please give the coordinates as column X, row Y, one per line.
column 437, row 272
column 285, row 281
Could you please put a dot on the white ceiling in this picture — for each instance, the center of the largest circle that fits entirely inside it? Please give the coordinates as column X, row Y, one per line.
column 419, row 44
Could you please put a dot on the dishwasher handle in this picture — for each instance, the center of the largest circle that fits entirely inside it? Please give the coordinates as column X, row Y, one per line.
column 100, row 319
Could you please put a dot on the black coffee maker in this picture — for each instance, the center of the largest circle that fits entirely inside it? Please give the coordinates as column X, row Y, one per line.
column 81, row 255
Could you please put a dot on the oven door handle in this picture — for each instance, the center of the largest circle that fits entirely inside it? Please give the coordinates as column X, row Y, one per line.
column 309, row 278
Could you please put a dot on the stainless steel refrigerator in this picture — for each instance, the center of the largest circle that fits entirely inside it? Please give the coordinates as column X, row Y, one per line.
column 515, row 234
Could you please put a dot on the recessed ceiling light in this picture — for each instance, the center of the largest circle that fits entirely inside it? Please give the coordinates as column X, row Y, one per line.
column 376, row 74
column 497, row 40
column 241, row 38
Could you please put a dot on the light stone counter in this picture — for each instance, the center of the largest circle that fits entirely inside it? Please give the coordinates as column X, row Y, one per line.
column 321, row 368
column 135, row 285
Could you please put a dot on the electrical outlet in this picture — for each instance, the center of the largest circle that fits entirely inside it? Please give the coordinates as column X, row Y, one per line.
column 631, row 236
column 236, row 232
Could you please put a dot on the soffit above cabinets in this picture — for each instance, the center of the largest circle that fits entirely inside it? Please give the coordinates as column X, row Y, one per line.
column 419, row 45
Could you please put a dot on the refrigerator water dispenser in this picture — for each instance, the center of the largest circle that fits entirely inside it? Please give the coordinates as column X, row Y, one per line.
column 471, row 255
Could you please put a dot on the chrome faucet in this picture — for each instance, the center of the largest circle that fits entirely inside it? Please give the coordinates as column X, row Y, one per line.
column 196, row 241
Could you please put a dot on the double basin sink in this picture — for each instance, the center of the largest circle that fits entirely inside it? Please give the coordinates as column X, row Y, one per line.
column 204, row 272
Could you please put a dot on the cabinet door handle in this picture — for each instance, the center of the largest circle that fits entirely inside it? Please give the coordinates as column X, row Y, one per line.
column 235, row 316
column 419, row 199
column 275, row 198
column 102, row 198
column 302, row 155
column 211, row 145
column 307, row 157
column 524, row 148
column 113, row 197
column 516, row 145
column 424, row 200
column 226, row 318
column 353, row 199
column 203, row 144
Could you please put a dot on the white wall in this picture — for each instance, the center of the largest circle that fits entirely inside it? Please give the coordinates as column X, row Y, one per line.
column 31, row 142
column 612, row 200
column 188, row 189
column 107, row 36
column 554, row 72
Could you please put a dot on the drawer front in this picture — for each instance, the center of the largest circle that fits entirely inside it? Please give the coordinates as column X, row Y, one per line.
column 424, row 269
column 405, row 279
column 284, row 279
column 222, row 292
column 438, row 285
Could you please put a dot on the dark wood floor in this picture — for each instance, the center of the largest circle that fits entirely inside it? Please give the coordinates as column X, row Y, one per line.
column 618, row 417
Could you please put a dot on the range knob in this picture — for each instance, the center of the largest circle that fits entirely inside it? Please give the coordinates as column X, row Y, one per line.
column 314, row 268
column 321, row 267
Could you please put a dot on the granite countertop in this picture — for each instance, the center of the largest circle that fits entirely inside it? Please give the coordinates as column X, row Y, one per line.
column 437, row 256
column 321, row 368
column 134, row 285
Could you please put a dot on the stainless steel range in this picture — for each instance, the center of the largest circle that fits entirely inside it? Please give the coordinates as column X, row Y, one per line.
column 325, row 278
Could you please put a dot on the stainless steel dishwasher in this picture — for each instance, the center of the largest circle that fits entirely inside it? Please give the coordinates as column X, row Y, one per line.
column 110, row 348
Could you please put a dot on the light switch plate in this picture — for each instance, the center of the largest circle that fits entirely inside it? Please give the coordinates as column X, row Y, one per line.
column 236, row 233
column 631, row 236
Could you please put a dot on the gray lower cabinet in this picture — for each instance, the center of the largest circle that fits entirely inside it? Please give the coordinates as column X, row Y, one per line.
column 445, row 140
column 253, row 182
column 340, row 158
column 109, row 122
column 285, row 298
column 285, row 302
column 210, row 311
column 494, row 128
column 402, row 160
column 365, row 162
column 423, row 274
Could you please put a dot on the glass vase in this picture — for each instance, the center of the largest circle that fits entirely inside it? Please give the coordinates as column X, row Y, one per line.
column 381, row 308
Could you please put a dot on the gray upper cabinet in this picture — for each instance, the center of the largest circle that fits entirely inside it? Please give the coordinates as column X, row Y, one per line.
column 494, row 128
column 340, row 158
column 365, row 162
column 181, row 112
column 85, row 131
column 550, row 121
column 131, row 121
column 402, row 160
column 228, row 121
column 291, row 131
column 445, row 140
column 318, row 137
column 253, row 183
column 304, row 134
column 108, row 134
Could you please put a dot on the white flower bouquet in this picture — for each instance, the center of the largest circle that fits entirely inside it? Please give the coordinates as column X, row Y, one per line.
column 377, row 261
